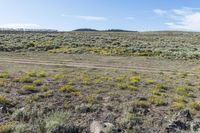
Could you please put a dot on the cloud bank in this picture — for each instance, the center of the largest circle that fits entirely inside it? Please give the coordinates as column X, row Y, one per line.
column 182, row 19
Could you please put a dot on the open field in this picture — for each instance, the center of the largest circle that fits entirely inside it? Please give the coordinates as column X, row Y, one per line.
column 55, row 92
column 129, row 82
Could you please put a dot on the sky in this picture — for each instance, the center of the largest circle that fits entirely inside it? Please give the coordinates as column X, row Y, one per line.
column 66, row 15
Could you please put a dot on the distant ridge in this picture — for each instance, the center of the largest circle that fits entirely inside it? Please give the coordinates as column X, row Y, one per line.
column 94, row 30
column 118, row 30
column 85, row 29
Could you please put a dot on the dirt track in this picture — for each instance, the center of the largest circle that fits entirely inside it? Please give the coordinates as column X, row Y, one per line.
column 86, row 64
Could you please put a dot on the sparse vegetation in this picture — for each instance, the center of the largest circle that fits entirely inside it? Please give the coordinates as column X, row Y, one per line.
column 43, row 91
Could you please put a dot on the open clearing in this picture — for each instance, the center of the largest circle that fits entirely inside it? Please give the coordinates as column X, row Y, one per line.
column 135, row 94
column 144, row 82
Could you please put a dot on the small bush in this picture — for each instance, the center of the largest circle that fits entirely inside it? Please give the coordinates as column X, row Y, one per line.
column 90, row 99
column 158, row 101
column 3, row 99
column 24, row 79
column 67, row 88
column 160, row 87
column 134, row 79
column 132, row 88
column 28, row 87
column 184, row 91
column 58, row 76
column 140, row 104
column 35, row 97
column 32, row 74
column 58, row 121
column 150, row 81
column 48, row 93
column 21, row 128
column 42, row 74
column 179, row 99
column 3, row 83
column 76, row 93
column 195, row 106
column 44, row 88
column 7, row 127
column 4, row 75
column 37, row 82
column 85, row 78
column 177, row 106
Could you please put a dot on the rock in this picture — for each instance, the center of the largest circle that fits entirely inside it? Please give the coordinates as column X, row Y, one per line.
column 180, row 122
column 99, row 127
column 184, row 115
column 3, row 108
column 195, row 126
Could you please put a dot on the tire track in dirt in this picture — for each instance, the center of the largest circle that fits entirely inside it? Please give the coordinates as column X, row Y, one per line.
column 79, row 64
column 60, row 62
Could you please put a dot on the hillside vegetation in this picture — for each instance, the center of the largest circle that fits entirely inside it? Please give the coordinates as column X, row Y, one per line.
column 176, row 45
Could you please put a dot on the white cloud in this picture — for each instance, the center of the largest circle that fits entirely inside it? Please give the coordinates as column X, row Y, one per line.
column 159, row 12
column 184, row 19
column 87, row 18
column 92, row 18
column 18, row 25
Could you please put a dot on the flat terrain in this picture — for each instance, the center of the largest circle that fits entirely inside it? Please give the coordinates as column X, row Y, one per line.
column 75, row 82
column 50, row 92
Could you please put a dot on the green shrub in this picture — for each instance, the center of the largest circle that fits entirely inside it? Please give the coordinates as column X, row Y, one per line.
column 158, row 101
column 48, row 93
column 150, row 81
column 58, row 76
column 37, row 82
column 90, row 99
column 67, row 88
column 134, row 79
column 24, row 79
column 3, row 99
column 4, row 75
column 28, row 87
column 7, row 127
column 3, row 83
column 44, row 88
column 42, row 74
column 194, row 106
column 32, row 74
column 177, row 106
column 132, row 88
column 140, row 104
column 22, row 128
column 184, row 91
column 179, row 99
column 160, row 87
column 58, row 121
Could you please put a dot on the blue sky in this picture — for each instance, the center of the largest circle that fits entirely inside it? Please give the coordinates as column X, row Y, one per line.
column 142, row 15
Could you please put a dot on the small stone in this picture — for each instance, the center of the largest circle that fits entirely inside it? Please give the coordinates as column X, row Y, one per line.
column 99, row 127
column 195, row 126
column 181, row 121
